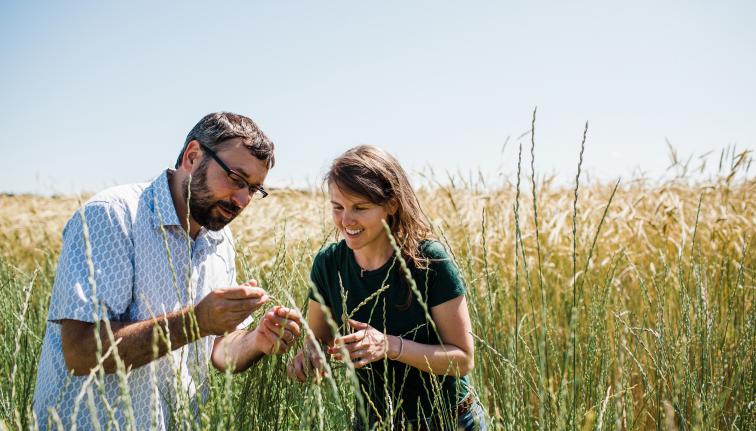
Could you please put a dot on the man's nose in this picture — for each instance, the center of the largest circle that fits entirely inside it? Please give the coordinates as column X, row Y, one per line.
column 241, row 198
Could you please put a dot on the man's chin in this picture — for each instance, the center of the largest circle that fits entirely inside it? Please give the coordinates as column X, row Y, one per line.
column 217, row 224
column 213, row 222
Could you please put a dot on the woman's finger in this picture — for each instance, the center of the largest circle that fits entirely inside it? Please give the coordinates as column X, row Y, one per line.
column 361, row 363
column 299, row 373
column 357, row 324
column 351, row 338
column 290, row 369
column 357, row 354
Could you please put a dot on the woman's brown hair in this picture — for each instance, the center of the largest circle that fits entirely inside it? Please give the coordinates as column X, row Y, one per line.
column 372, row 173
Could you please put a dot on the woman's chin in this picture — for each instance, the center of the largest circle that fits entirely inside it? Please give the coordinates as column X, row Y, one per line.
column 353, row 243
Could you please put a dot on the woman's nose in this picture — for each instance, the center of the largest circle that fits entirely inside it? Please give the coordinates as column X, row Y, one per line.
column 346, row 218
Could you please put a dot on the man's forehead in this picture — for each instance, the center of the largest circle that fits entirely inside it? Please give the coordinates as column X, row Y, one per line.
column 243, row 161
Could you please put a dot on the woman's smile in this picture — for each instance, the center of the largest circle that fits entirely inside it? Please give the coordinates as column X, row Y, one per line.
column 353, row 232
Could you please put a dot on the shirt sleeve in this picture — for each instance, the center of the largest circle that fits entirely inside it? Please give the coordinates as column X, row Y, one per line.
column 446, row 281
column 75, row 295
column 318, row 279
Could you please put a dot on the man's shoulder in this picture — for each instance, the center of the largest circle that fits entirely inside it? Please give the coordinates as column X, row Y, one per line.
column 116, row 205
column 124, row 196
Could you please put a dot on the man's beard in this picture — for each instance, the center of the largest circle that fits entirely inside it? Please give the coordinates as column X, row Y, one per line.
column 202, row 206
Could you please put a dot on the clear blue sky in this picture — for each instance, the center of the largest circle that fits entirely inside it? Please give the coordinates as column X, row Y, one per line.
column 100, row 93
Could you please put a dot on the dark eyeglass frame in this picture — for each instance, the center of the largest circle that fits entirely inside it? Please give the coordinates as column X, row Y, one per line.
column 235, row 177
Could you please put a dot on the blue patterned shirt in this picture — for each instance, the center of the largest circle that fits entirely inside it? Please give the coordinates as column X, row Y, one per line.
column 144, row 265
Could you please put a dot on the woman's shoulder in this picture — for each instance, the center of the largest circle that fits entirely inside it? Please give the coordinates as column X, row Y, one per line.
column 332, row 252
column 433, row 250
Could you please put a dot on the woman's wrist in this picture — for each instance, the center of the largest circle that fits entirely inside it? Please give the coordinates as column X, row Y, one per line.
column 395, row 347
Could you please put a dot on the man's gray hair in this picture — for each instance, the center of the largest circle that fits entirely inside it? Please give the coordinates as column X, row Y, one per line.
column 216, row 128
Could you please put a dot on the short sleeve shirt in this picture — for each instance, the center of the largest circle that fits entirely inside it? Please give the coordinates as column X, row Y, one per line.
column 125, row 256
column 349, row 292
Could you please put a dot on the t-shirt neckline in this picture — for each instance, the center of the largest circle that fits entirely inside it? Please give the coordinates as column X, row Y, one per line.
column 372, row 272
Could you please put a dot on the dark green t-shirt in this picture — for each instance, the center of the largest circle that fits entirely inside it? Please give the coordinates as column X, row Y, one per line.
column 335, row 266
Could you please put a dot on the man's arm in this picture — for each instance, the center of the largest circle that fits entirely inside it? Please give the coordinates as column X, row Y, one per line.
column 216, row 314
column 135, row 341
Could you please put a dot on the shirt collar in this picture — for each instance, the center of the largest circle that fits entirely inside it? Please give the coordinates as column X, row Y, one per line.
column 164, row 212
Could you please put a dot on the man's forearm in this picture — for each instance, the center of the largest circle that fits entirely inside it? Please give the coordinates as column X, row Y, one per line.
column 236, row 350
column 138, row 343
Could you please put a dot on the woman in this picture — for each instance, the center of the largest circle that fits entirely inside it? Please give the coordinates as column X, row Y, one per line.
column 411, row 363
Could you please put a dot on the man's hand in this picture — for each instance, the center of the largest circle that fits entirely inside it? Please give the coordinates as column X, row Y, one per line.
column 222, row 310
column 278, row 330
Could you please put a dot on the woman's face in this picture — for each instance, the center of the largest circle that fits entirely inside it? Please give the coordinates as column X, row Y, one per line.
column 359, row 221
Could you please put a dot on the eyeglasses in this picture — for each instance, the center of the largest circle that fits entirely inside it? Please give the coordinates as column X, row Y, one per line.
column 255, row 192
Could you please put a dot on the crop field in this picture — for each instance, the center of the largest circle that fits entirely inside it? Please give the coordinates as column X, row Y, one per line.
column 625, row 305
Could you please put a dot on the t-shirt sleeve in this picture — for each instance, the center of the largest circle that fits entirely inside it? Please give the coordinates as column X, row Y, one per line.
column 445, row 277
column 318, row 279
column 105, row 228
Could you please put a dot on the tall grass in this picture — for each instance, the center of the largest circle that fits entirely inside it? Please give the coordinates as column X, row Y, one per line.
column 627, row 305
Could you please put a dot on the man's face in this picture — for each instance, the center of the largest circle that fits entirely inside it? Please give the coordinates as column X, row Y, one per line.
column 215, row 199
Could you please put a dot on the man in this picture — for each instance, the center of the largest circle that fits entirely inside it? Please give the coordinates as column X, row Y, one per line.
column 146, row 275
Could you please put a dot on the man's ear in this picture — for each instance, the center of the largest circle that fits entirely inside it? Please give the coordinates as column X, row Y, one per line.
column 192, row 155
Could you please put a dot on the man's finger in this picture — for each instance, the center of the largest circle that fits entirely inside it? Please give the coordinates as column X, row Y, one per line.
column 288, row 313
column 293, row 328
column 281, row 323
column 241, row 292
column 252, row 283
column 278, row 344
column 287, row 336
column 246, row 305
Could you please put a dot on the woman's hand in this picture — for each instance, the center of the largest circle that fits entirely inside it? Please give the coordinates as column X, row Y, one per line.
column 364, row 346
column 306, row 364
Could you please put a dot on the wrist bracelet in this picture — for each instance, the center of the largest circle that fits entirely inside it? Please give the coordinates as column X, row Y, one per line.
column 401, row 347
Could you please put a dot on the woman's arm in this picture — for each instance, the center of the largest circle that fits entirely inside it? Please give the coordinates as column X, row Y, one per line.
column 316, row 320
column 307, row 359
column 453, row 357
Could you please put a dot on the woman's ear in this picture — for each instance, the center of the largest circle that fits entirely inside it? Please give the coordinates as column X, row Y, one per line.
column 392, row 206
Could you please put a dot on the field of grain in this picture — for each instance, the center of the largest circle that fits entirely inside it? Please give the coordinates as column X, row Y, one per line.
column 625, row 305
